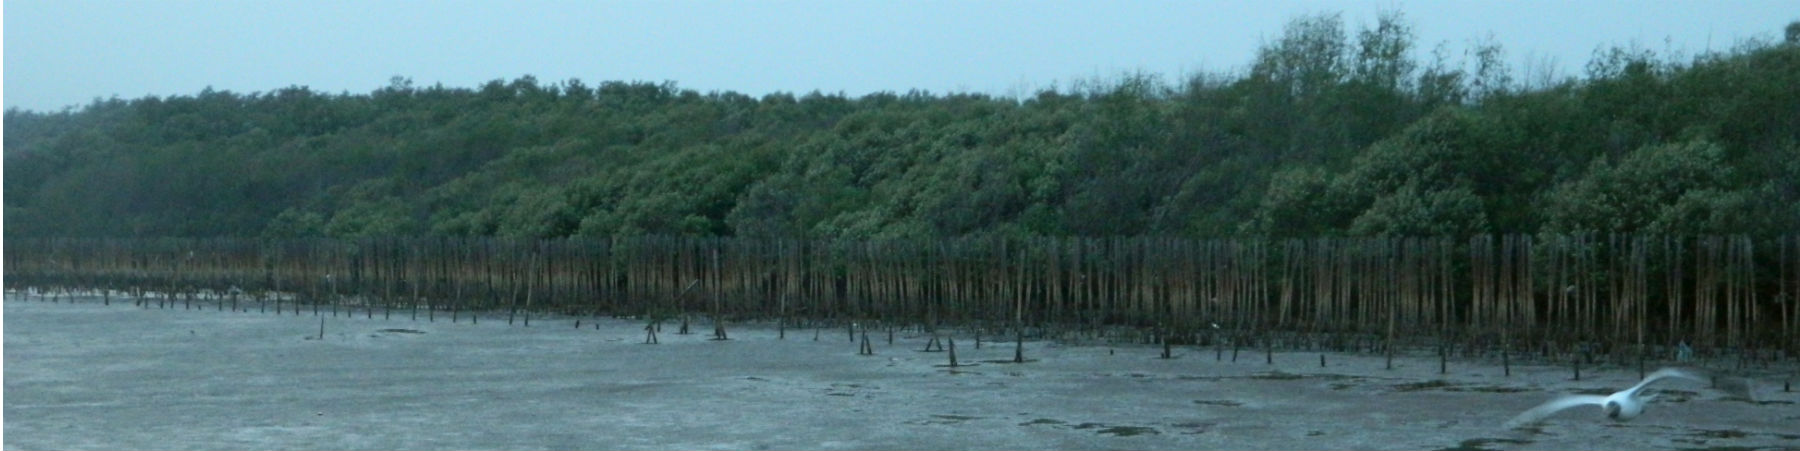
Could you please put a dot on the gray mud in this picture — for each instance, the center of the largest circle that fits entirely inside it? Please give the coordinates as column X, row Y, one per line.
column 86, row 376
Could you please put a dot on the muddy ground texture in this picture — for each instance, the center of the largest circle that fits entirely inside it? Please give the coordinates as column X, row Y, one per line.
column 86, row 376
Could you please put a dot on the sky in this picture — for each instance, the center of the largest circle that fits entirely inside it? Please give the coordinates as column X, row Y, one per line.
column 66, row 53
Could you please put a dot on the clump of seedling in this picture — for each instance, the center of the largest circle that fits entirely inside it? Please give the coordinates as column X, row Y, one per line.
column 653, row 322
column 865, row 348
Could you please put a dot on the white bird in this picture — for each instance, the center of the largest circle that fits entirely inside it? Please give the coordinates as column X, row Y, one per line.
column 1621, row 406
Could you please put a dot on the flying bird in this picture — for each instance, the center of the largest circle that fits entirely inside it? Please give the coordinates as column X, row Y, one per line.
column 1625, row 404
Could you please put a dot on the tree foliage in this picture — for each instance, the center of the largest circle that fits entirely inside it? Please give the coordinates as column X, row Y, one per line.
column 1331, row 130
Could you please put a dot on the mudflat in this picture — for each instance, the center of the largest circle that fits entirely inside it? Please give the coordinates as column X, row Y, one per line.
column 80, row 375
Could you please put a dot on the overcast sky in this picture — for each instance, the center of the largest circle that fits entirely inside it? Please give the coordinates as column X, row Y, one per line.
column 60, row 53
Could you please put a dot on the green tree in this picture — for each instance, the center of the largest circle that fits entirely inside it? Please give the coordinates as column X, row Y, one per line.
column 1299, row 203
column 1646, row 187
column 1413, row 211
column 1328, row 131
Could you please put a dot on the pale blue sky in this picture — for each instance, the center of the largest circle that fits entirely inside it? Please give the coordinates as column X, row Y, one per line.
column 67, row 52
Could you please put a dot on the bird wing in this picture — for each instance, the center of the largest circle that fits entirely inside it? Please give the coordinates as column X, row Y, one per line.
column 1668, row 373
column 1548, row 408
column 1671, row 372
column 1734, row 386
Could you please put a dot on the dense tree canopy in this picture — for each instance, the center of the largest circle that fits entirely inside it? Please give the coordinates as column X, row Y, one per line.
column 1328, row 132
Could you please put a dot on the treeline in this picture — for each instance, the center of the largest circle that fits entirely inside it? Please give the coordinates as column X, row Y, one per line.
column 1530, row 293
column 1329, row 132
